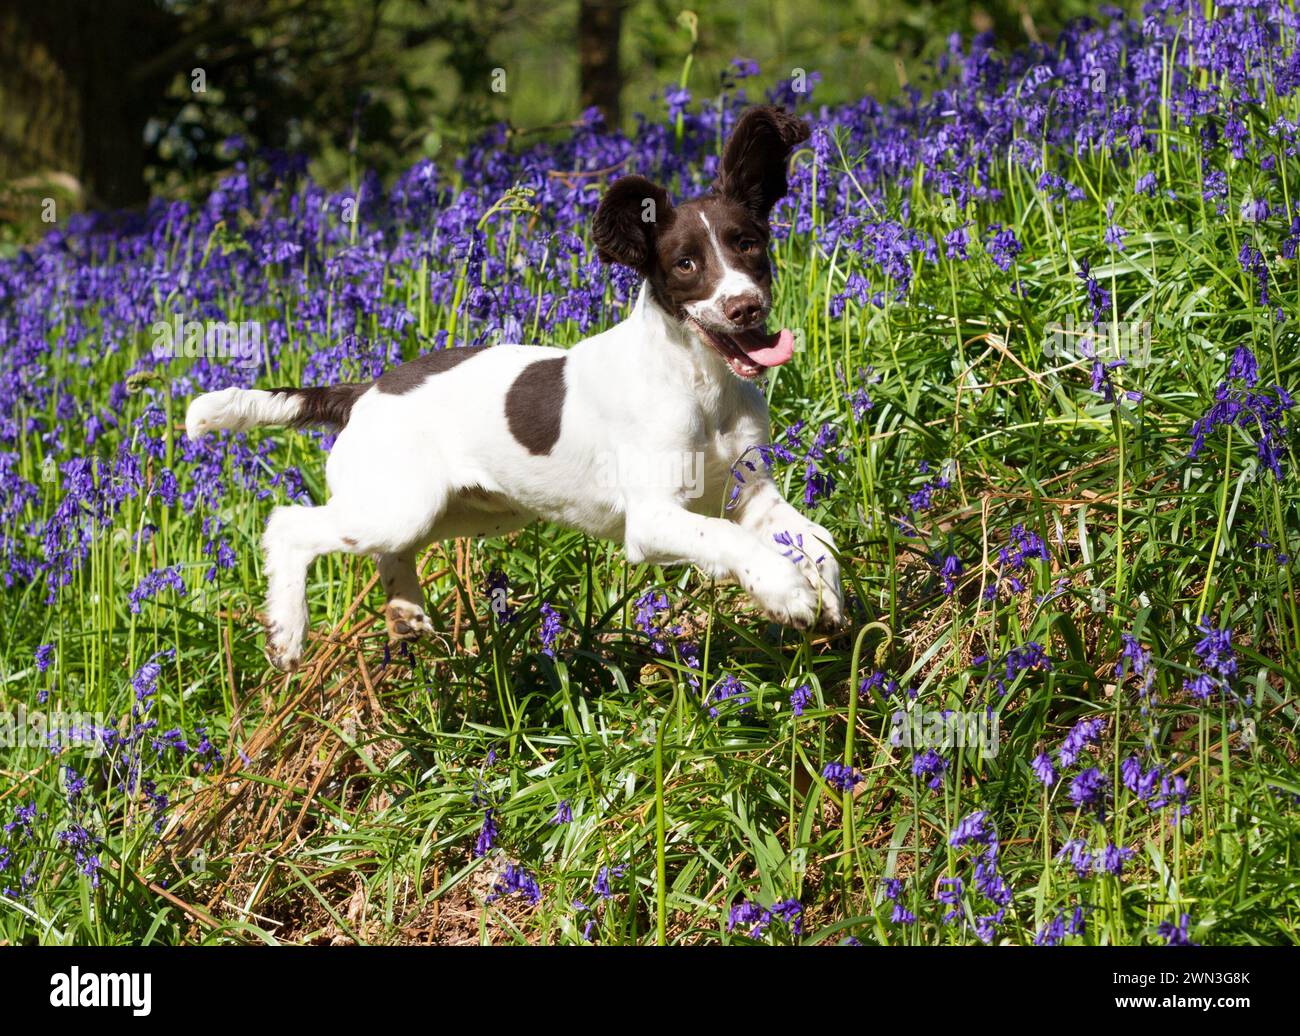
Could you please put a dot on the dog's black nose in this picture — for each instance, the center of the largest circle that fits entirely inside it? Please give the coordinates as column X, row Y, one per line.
column 743, row 309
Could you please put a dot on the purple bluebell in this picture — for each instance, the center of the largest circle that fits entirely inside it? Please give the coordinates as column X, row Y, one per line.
column 1081, row 735
column 1043, row 769
column 800, row 698
column 1176, row 934
column 930, row 766
column 487, row 834
column 563, row 814
column 154, row 583
column 841, row 776
column 949, row 893
column 601, row 884
column 549, row 630
column 728, row 689
column 893, row 892
column 515, row 880
column 1090, row 790
column 972, row 829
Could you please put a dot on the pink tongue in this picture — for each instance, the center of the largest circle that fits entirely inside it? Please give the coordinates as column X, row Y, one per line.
column 769, row 350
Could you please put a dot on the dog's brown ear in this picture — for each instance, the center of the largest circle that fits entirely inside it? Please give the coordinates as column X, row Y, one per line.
column 631, row 214
column 754, row 161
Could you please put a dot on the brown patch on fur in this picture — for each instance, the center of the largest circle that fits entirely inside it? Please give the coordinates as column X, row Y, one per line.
column 753, row 167
column 534, row 404
column 328, row 404
column 409, row 376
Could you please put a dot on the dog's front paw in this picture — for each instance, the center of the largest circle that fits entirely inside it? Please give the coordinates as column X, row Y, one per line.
column 810, row 551
column 832, row 618
column 827, row 575
column 782, row 593
column 406, row 621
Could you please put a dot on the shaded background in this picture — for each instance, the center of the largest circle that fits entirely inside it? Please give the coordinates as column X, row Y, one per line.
column 105, row 102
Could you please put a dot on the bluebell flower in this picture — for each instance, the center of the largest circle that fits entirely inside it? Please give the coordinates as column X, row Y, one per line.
column 563, row 814
column 930, row 766
column 1078, row 854
column 1218, row 662
column 972, row 829
column 1081, row 735
column 648, row 608
column 949, row 893
column 498, row 595
column 759, row 919
column 800, row 698
column 1113, row 858
column 727, row 689
column 950, row 569
column 1098, row 297
column 549, row 631
column 1260, row 413
column 791, row 912
column 516, row 881
column 840, row 776
column 601, row 885
column 487, row 834
column 1176, row 934
column 1090, row 790
column 153, row 584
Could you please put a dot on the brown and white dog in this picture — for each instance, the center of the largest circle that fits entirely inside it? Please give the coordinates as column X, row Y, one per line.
column 630, row 435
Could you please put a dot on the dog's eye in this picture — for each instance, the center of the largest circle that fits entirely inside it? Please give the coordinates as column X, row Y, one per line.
column 685, row 264
column 746, row 245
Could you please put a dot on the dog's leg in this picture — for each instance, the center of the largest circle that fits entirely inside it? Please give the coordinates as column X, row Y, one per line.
column 403, row 614
column 294, row 537
column 661, row 532
column 805, row 544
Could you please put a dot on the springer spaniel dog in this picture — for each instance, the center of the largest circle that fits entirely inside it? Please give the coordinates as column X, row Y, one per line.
column 630, row 435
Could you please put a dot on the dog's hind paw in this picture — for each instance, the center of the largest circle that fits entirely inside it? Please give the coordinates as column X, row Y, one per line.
column 283, row 649
column 406, row 621
column 282, row 657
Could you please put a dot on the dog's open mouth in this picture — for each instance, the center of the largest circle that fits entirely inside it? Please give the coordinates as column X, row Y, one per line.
column 749, row 353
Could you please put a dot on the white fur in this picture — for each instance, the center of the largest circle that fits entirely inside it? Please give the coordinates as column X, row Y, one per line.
column 440, row 462
column 238, row 410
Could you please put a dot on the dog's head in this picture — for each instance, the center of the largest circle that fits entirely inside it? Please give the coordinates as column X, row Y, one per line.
column 706, row 260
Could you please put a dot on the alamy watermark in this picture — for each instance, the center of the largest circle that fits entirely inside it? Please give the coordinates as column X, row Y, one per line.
column 238, row 340
column 1127, row 341
column 682, row 473
column 22, row 728
column 945, row 729
column 77, row 988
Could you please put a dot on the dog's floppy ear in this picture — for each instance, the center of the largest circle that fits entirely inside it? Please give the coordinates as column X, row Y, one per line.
column 632, row 212
column 753, row 165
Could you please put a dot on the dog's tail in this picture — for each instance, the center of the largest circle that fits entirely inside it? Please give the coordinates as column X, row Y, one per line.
column 237, row 410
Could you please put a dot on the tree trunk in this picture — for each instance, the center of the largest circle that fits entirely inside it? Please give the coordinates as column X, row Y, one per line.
column 600, row 81
column 68, row 100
